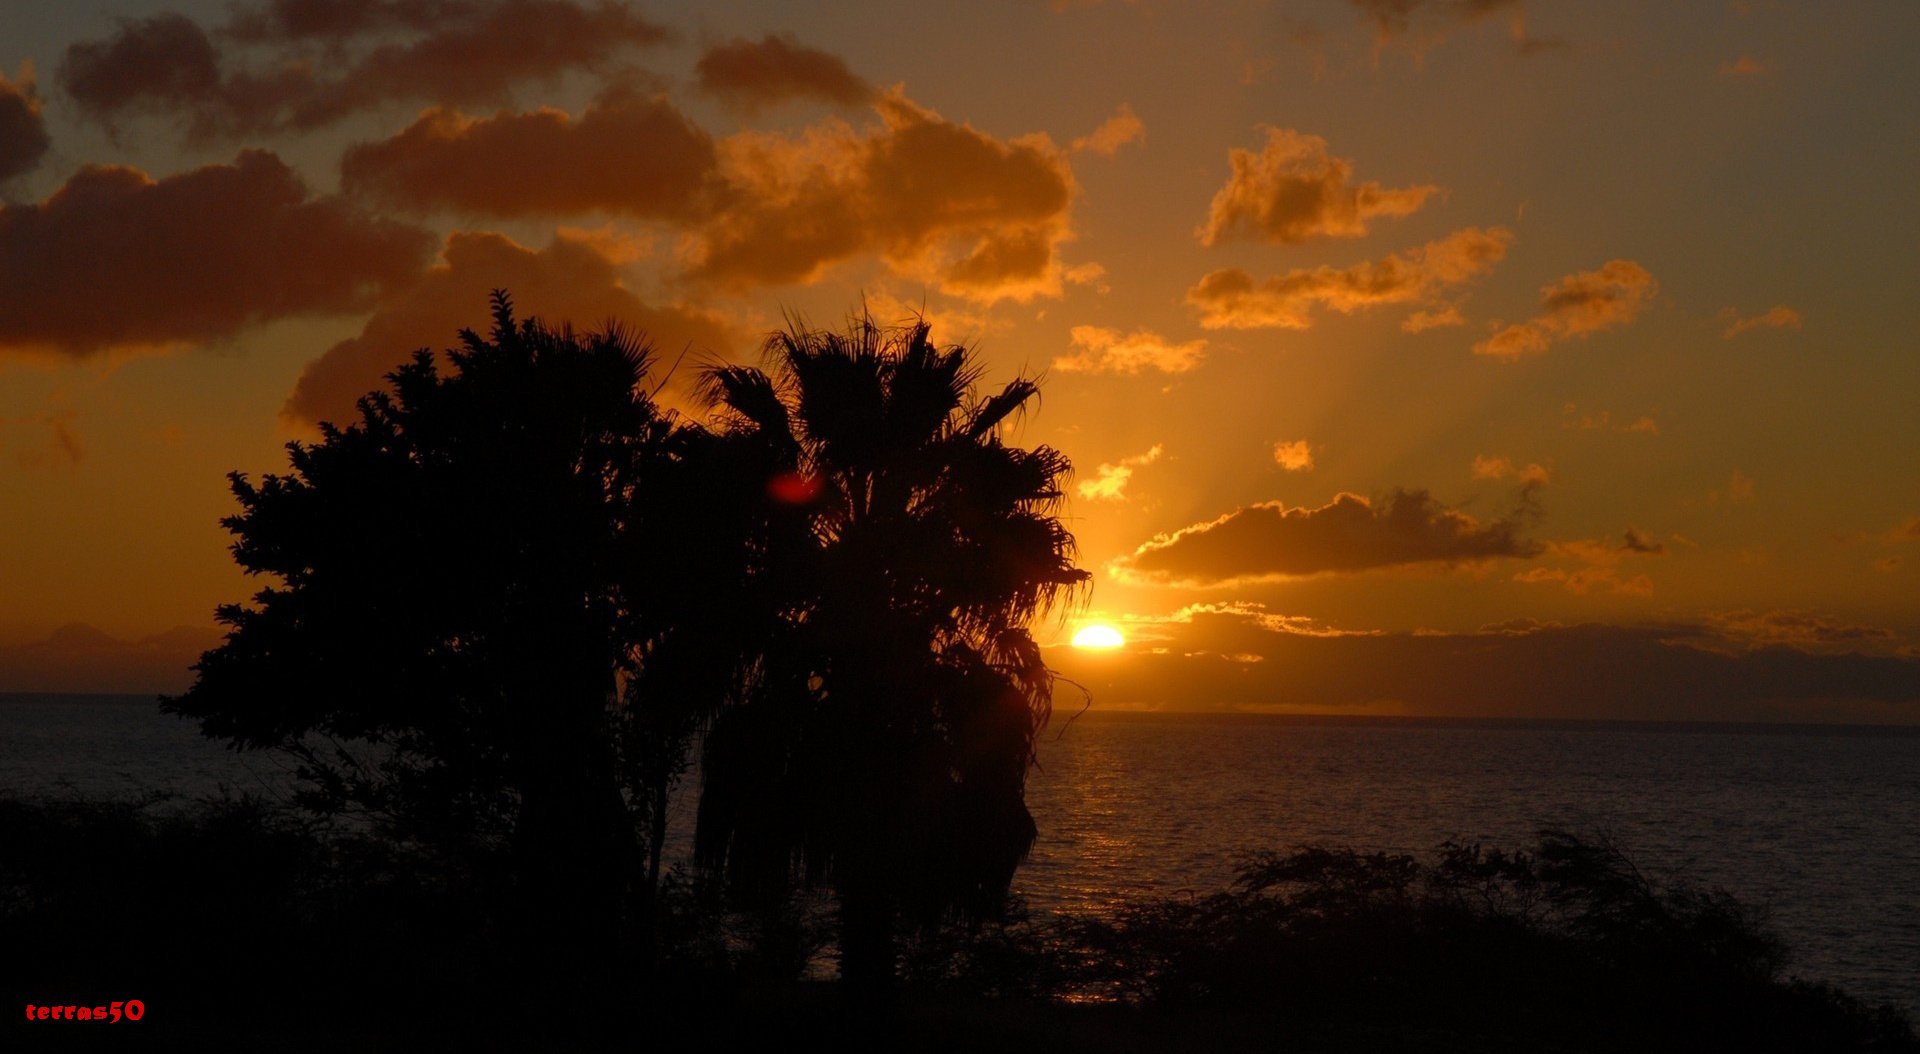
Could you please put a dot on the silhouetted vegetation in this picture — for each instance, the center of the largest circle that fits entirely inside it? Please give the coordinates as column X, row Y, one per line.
column 234, row 920
column 453, row 607
column 511, row 599
column 1567, row 946
column 885, row 745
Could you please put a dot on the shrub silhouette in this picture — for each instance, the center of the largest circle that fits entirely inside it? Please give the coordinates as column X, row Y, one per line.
column 1569, row 946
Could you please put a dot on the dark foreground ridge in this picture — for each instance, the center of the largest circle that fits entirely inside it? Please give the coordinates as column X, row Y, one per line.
column 238, row 926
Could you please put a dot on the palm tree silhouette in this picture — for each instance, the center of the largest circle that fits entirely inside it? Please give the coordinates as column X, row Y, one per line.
column 885, row 746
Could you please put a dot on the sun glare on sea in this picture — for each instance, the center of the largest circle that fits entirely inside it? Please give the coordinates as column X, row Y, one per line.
column 1098, row 637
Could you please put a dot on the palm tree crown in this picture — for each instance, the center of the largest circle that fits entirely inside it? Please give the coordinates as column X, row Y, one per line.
column 886, row 747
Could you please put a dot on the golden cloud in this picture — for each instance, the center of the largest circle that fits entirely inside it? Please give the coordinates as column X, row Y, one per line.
column 628, row 153
column 757, row 74
column 574, row 279
column 1269, row 540
column 1110, row 351
column 117, row 259
column 1110, row 480
column 1577, row 306
column 1295, row 456
column 1501, row 468
column 1231, row 299
column 911, row 189
column 23, row 132
column 1293, row 191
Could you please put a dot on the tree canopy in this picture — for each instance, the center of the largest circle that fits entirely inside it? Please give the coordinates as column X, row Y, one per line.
column 505, row 601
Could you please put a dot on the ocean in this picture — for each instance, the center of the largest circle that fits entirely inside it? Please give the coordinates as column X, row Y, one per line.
column 1820, row 825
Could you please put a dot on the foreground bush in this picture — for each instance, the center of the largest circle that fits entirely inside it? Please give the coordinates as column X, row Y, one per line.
column 236, row 923
column 1569, row 946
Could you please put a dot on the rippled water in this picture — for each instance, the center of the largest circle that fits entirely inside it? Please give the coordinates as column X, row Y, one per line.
column 1820, row 825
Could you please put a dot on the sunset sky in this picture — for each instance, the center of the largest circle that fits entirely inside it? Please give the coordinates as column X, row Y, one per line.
column 1414, row 356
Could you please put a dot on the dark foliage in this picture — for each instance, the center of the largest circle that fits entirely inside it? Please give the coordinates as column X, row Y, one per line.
column 1567, row 947
column 493, row 623
column 242, row 927
column 884, row 745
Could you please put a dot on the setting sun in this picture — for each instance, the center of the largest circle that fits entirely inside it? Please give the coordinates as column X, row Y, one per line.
column 1098, row 637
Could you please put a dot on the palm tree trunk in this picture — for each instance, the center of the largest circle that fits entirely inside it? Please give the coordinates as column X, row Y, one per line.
column 866, row 937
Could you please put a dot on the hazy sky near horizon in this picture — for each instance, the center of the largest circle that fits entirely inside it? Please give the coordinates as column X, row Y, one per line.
column 1456, row 356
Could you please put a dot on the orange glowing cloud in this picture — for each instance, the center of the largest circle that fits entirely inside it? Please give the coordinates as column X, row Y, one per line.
column 1778, row 317
column 23, row 132
column 117, row 259
column 1295, row 456
column 1110, row 351
column 913, row 190
column 1109, row 482
column 1597, row 565
column 1293, row 191
column 1442, row 318
column 1232, row 299
column 755, row 75
column 1577, row 306
column 1350, row 533
column 1502, row 468
column 573, row 280
column 628, row 153
column 1115, row 132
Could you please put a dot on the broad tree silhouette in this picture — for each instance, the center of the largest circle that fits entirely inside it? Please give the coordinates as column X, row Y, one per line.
column 456, row 601
column 884, row 744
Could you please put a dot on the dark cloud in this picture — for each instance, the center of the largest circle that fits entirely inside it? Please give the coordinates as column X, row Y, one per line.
column 1293, row 191
column 1394, row 17
column 1350, row 533
column 757, row 74
column 1426, row 23
column 1738, row 631
column 80, row 658
column 574, row 279
column 628, row 153
column 1639, row 543
column 259, row 78
column 116, row 259
column 23, row 132
column 1219, row 657
column 335, row 20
